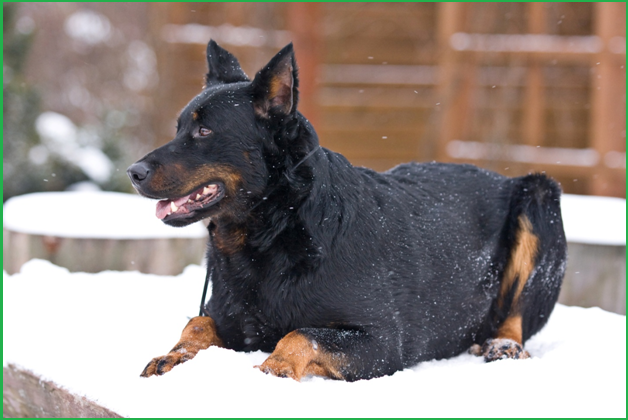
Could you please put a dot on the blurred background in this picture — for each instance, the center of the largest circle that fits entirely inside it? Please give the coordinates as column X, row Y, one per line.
column 513, row 87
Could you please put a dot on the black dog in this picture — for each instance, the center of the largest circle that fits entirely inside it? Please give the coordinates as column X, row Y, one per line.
column 341, row 271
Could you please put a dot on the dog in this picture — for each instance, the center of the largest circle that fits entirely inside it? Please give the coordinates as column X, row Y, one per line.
column 340, row 271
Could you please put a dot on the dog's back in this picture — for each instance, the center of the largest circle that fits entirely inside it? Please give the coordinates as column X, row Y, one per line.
column 432, row 242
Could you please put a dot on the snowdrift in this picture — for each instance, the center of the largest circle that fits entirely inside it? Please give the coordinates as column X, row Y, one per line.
column 93, row 334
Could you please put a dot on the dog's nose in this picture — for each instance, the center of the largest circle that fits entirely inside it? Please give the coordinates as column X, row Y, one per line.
column 138, row 172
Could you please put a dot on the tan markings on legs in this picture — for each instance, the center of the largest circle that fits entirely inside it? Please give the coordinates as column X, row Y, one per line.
column 296, row 356
column 521, row 262
column 507, row 344
column 511, row 328
column 198, row 334
column 508, row 341
column 519, row 267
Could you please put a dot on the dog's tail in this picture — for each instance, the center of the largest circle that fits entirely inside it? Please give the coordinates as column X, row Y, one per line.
column 537, row 254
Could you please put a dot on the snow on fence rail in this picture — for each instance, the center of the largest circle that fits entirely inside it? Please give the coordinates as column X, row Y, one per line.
column 96, row 231
column 90, row 214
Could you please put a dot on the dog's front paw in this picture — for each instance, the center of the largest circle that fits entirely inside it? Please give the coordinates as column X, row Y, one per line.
column 279, row 367
column 160, row 365
column 198, row 334
column 292, row 355
column 297, row 356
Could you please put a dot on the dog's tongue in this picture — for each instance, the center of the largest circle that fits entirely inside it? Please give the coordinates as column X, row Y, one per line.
column 164, row 207
column 180, row 205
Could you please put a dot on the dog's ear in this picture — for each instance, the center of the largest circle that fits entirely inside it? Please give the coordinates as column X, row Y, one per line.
column 275, row 87
column 222, row 66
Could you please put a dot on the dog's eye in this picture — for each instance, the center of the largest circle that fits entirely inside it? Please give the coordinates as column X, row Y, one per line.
column 204, row 132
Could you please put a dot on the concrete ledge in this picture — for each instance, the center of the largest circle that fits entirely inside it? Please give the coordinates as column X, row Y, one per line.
column 24, row 394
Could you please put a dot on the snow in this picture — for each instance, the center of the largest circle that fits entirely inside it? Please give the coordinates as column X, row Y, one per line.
column 594, row 220
column 56, row 128
column 61, row 137
column 88, row 27
column 193, row 33
column 523, row 153
column 557, row 44
column 71, row 214
column 94, row 333
column 141, row 72
column 93, row 162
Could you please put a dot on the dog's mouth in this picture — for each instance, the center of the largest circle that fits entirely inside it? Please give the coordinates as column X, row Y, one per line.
column 201, row 198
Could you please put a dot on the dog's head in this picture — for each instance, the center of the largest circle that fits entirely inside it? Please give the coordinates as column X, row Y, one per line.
column 226, row 136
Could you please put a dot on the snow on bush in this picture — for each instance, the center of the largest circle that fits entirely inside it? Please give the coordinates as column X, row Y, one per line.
column 61, row 137
column 94, row 333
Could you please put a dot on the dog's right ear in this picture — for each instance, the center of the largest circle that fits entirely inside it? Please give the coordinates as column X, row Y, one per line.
column 222, row 66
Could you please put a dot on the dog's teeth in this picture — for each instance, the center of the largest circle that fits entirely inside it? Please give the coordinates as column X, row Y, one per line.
column 190, row 200
column 197, row 196
column 206, row 190
column 173, row 206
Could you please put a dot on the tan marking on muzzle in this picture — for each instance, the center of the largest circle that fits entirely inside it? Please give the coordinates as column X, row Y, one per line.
column 179, row 181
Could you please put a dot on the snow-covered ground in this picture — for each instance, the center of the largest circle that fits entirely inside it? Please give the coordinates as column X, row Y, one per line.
column 94, row 333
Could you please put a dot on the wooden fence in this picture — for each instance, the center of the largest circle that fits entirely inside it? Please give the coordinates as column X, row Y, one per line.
column 512, row 87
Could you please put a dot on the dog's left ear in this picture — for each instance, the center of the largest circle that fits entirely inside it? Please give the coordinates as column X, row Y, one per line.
column 222, row 66
column 275, row 87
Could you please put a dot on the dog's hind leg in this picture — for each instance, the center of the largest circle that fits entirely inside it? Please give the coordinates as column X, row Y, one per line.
column 333, row 353
column 508, row 340
column 198, row 334
column 534, row 270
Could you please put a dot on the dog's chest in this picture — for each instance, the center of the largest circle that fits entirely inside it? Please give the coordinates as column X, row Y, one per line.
column 255, row 315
